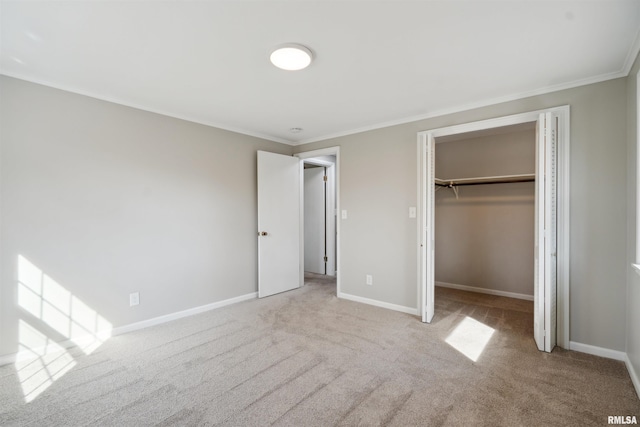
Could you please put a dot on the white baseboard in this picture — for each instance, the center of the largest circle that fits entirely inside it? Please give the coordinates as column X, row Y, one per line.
column 13, row 358
column 633, row 374
column 8, row 359
column 485, row 291
column 598, row 351
column 180, row 314
column 377, row 303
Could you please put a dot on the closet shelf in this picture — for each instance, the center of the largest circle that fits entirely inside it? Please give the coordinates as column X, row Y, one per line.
column 503, row 179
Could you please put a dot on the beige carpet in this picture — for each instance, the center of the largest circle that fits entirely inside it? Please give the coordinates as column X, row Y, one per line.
column 306, row 358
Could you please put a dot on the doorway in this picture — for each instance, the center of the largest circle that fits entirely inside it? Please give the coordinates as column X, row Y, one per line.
column 281, row 220
column 484, row 211
column 320, row 240
column 551, row 291
column 319, row 215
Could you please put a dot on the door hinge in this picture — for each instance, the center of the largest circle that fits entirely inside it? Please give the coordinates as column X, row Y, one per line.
column 324, row 178
column 326, row 259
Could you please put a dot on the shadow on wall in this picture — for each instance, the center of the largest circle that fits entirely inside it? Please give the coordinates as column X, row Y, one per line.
column 54, row 319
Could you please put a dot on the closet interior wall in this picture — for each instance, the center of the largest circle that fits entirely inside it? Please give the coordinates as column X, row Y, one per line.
column 484, row 237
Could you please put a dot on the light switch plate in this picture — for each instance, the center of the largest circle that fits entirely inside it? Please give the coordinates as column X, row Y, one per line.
column 412, row 212
column 344, row 214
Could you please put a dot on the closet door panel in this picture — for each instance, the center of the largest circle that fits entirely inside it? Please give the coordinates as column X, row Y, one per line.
column 551, row 236
column 545, row 280
column 428, row 238
column 539, row 267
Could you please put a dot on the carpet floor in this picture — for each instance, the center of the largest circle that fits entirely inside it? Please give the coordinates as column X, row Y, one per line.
column 307, row 358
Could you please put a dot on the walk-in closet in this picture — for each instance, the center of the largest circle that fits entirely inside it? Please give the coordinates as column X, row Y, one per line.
column 485, row 211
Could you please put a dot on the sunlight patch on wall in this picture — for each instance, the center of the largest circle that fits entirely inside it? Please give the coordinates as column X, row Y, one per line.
column 67, row 320
column 470, row 338
column 50, row 302
column 41, row 361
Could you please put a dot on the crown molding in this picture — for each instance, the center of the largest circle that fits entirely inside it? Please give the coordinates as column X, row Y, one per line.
column 472, row 106
column 629, row 61
column 632, row 55
column 147, row 109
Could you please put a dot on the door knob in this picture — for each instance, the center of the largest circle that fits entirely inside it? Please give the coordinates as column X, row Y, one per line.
column 262, row 233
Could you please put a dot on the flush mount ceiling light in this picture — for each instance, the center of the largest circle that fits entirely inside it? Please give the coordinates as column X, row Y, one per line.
column 291, row 57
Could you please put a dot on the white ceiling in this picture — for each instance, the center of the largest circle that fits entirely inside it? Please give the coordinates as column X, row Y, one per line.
column 376, row 63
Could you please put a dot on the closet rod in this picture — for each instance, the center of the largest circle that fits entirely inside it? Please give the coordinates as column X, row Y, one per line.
column 506, row 179
column 456, row 184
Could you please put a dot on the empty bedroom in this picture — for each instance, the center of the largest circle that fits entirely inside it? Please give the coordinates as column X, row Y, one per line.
column 316, row 213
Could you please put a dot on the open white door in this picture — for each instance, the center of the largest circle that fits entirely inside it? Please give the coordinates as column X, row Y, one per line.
column 279, row 191
column 544, row 310
column 331, row 220
column 315, row 251
column 427, row 228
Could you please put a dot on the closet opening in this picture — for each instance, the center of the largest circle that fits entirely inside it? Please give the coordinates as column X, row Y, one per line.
column 484, row 211
column 484, row 223
column 494, row 217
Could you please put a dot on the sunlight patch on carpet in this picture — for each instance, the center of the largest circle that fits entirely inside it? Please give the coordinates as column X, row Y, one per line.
column 470, row 338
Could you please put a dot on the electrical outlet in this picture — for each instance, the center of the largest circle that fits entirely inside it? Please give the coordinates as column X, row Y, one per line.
column 134, row 299
column 369, row 280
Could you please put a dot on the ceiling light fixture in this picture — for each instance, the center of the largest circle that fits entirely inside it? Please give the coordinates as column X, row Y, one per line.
column 291, row 57
column 295, row 130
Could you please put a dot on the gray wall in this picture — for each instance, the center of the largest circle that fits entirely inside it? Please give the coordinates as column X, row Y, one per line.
column 107, row 200
column 633, row 288
column 485, row 237
column 378, row 184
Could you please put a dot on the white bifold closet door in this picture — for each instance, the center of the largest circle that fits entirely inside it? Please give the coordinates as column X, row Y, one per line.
column 545, row 280
column 427, row 243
